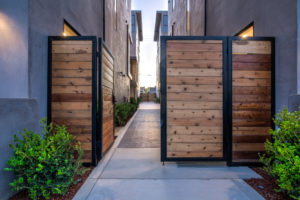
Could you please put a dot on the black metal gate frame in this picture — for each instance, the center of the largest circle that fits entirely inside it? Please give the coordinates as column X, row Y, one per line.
column 227, row 94
column 97, row 104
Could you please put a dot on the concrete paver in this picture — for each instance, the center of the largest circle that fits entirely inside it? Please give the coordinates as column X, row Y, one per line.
column 149, row 189
column 144, row 163
column 144, row 132
column 136, row 173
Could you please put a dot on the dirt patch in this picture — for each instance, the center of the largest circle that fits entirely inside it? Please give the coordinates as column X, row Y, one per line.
column 266, row 186
column 70, row 194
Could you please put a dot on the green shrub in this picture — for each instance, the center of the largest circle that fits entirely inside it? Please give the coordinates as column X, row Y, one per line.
column 282, row 153
column 45, row 165
column 157, row 100
column 124, row 111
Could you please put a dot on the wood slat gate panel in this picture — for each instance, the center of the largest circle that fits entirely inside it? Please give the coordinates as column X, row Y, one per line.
column 251, row 98
column 71, row 82
column 107, row 99
column 194, row 99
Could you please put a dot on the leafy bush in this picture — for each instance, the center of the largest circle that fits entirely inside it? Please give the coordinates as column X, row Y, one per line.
column 45, row 166
column 282, row 159
column 157, row 100
column 124, row 111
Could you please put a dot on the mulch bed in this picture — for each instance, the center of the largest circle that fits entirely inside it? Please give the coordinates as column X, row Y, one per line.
column 71, row 193
column 266, row 186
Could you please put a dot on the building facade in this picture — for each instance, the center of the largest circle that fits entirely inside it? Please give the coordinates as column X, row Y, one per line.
column 260, row 18
column 161, row 28
column 24, row 29
column 137, row 37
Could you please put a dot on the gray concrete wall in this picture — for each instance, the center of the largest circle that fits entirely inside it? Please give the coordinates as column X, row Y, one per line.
column 15, row 115
column 46, row 19
column 14, row 49
column 271, row 18
column 117, row 40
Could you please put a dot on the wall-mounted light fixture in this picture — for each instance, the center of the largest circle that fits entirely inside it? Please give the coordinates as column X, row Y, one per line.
column 122, row 74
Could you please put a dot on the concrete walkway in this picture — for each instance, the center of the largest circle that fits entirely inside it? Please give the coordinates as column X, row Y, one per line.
column 132, row 170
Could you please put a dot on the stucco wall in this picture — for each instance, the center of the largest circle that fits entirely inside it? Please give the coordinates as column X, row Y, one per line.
column 117, row 40
column 46, row 19
column 14, row 49
column 15, row 115
column 271, row 18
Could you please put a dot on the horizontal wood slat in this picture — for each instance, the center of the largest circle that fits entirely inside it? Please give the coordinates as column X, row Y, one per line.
column 251, row 108
column 195, row 130
column 71, row 100
column 194, row 72
column 174, row 80
column 195, row 88
column 107, row 106
column 195, row 105
column 196, row 63
column 78, row 49
column 195, row 99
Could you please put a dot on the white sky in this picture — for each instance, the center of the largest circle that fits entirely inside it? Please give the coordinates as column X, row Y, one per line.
column 148, row 46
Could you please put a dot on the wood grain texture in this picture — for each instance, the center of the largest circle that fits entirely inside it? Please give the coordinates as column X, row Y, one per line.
column 72, row 90
column 195, row 130
column 251, row 108
column 195, row 63
column 182, row 80
column 107, row 94
column 194, row 99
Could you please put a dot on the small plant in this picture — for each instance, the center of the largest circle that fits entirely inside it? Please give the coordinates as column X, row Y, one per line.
column 124, row 111
column 45, row 166
column 282, row 159
column 157, row 100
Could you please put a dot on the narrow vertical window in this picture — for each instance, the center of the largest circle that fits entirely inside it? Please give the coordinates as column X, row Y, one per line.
column 188, row 16
column 133, row 23
column 126, row 2
column 116, row 15
column 165, row 24
column 173, row 4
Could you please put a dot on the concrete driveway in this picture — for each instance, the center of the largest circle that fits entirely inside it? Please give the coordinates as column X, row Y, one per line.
column 132, row 170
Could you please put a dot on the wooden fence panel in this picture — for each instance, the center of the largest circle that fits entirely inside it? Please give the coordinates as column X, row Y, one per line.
column 107, row 99
column 194, row 99
column 71, row 69
column 251, row 98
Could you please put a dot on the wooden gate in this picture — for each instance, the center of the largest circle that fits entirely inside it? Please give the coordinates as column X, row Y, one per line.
column 77, row 92
column 252, row 96
column 193, row 78
column 210, row 111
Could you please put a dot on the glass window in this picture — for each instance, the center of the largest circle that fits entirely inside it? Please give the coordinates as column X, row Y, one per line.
column 133, row 23
column 69, row 30
column 173, row 4
column 116, row 15
column 165, row 23
column 247, row 32
column 188, row 16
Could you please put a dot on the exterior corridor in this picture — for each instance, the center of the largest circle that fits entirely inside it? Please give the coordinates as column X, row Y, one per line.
column 132, row 170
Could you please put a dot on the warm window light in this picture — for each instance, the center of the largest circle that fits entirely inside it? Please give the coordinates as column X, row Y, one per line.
column 247, row 32
column 188, row 16
column 68, row 30
column 116, row 15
